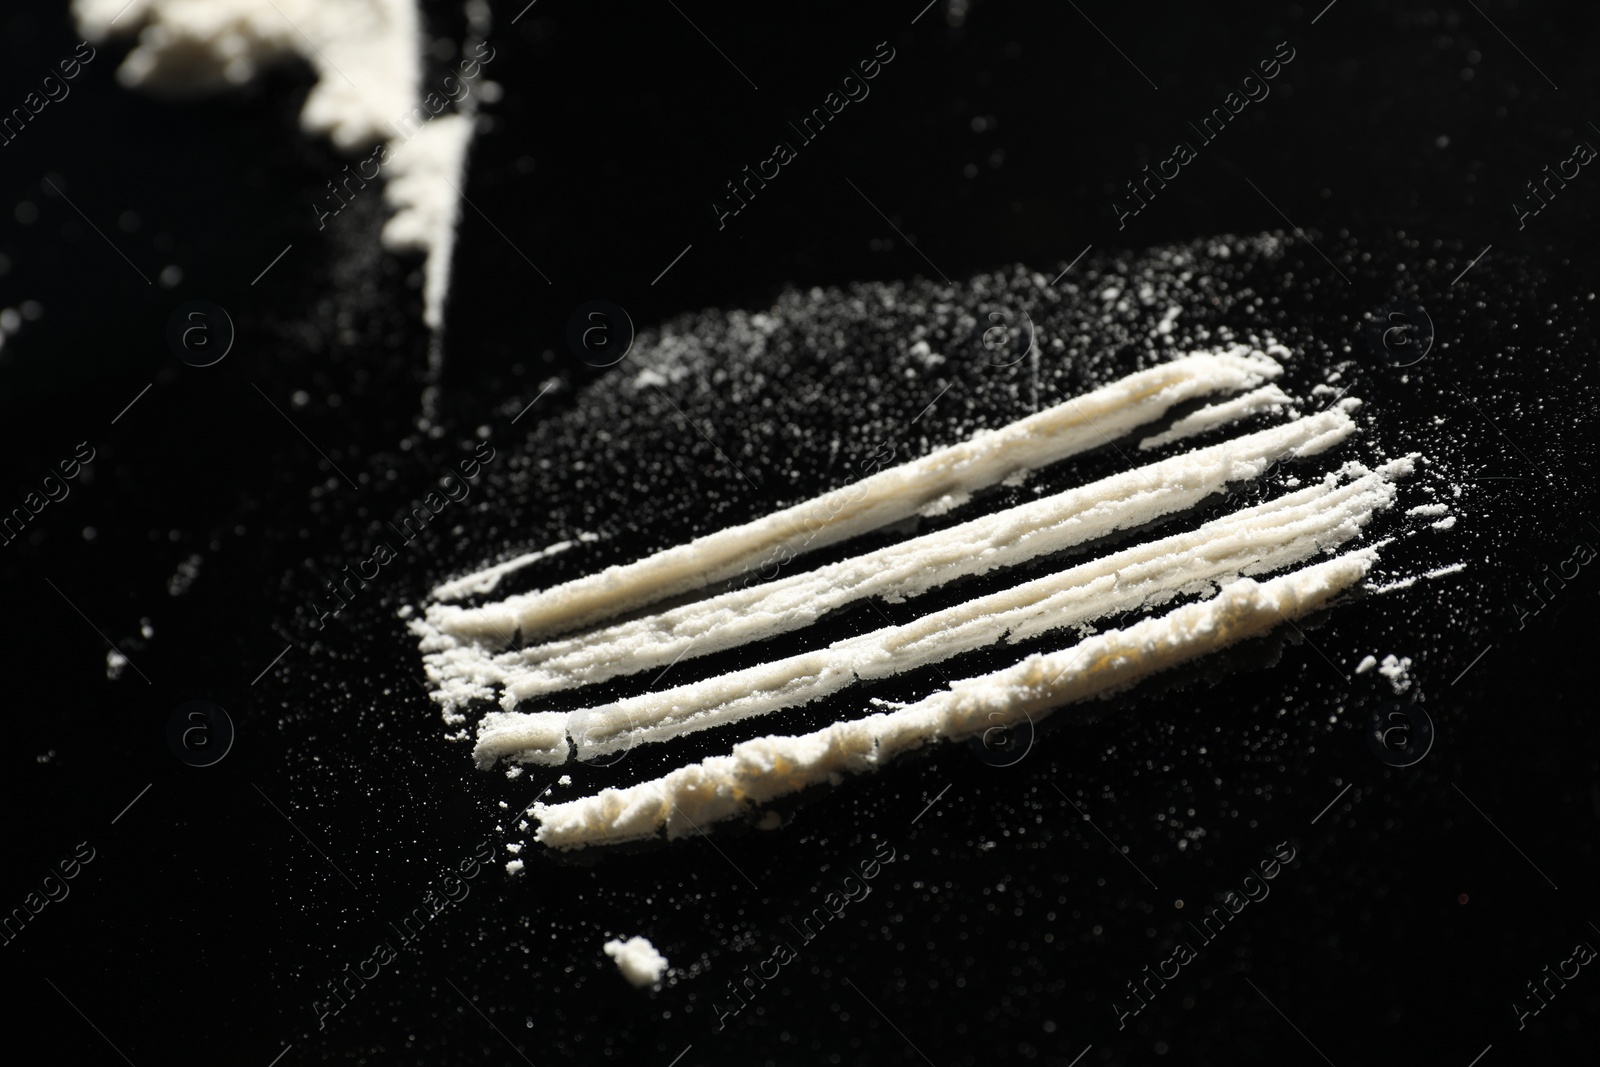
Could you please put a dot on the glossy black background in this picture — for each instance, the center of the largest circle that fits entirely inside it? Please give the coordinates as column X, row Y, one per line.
column 205, row 927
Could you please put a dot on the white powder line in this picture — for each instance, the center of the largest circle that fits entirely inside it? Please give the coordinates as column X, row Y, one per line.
column 879, row 500
column 484, row 581
column 1281, row 533
column 462, row 670
column 1407, row 583
column 1214, row 415
column 764, row 769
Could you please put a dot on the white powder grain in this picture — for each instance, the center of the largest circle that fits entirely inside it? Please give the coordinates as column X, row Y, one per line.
column 1397, row 670
column 1366, row 664
column 638, row 960
column 1445, row 523
column 514, row 867
column 1429, row 509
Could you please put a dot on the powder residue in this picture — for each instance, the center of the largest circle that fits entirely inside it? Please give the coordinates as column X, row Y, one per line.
column 1398, row 670
column 1214, row 415
column 485, row 580
column 1279, row 533
column 761, row 770
column 879, row 500
column 638, row 960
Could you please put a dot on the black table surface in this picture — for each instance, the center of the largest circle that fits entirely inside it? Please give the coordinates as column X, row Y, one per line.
column 1434, row 910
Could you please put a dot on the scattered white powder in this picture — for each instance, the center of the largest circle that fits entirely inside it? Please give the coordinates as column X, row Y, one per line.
column 366, row 55
column 1445, row 523
column 1408, row 582
column 944, row 505
column 1429, row 509
column 881, row 499
column 638, row 960
column 460, row 670
column 1267, row 537
column 459, row 643
column 484, row 581
column 1214, row 415
column 766, row 768
column 1397, row 671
